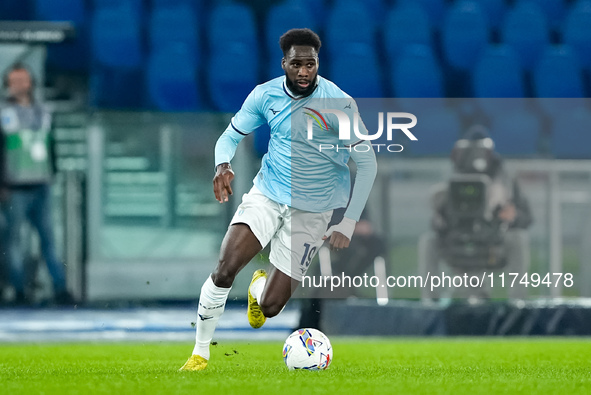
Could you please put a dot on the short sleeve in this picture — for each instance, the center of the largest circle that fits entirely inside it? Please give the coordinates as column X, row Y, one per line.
column 249, row 117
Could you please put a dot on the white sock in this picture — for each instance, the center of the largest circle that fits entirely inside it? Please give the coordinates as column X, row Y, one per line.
column 212, row 302
column 258, row 287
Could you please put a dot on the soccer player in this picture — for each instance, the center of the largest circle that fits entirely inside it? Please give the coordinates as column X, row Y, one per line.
column 294, row 193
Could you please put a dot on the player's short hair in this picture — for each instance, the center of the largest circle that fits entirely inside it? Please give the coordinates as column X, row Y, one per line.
column 299, row 37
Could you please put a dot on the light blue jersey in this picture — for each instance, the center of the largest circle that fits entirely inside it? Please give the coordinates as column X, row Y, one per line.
column 294, row 171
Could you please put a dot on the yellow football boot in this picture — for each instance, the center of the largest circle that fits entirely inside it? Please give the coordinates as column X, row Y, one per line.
column 194, row 364
column 256, row 318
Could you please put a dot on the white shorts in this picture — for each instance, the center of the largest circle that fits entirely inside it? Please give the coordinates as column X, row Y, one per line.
column 295, row 235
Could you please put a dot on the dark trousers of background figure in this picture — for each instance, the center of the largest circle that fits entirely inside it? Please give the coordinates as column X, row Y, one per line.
column 517, row 250
column 32, row 204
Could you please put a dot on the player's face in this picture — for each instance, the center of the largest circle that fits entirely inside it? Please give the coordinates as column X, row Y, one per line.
column 19, row 83
column 301, row 69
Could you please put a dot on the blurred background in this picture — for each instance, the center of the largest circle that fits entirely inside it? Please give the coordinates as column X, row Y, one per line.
column 141, row 89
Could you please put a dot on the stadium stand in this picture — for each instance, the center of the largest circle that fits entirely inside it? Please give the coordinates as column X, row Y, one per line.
column 136, row 8
column 516, row 133
column 495, row 11
column 339, row 32
column 232, row 75
column 438, row 129
column 171, row 80
column 357, row 71
column 526, row 31
column 121, row 43
column 570, row 134
column 118, row 54
column 498, row 75
column 554, row 11
column 71, row 56
column 375, row 8
column 435, row 9
column 558, row 75
column 175, row 26
column 406, row 24
column 232, row 25
column 281, row 18
column 465, row 34
column 577, row 31
column 416, row 73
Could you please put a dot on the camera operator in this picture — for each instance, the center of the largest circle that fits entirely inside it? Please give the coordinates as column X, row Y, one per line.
column 498, row 239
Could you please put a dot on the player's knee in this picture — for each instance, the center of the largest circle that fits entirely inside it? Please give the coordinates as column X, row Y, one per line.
column 270, row 309
column 223, row 276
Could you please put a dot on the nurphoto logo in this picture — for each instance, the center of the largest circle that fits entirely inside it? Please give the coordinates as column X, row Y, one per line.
column 345, row 129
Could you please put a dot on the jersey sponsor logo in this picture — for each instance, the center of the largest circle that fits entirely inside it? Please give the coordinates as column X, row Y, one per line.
column 274, row 111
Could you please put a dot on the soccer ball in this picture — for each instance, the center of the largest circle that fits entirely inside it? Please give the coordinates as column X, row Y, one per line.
column 307, row 348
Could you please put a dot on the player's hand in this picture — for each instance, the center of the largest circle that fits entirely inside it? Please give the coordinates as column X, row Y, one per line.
column 221, row 182
column 340, row 235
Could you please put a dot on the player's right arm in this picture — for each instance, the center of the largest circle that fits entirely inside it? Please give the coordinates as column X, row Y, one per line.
column 221, row 182
column 246, row 120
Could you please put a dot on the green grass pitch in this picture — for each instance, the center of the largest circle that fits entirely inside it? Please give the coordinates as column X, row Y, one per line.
column 360, row 366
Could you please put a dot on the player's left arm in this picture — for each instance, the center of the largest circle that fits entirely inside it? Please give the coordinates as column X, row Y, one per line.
column 365, row 159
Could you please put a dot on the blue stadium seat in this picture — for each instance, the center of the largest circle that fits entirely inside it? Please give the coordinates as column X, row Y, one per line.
column 570, row 134
column 317, row 9
column 494, row 10
column 526, row 31
column 16, row 10
column 437, row 129
column 349, row 25
column 280, row 19
column 406, row 24
column 465, row 34
column 175, row 26
column 375, row 8
column 60, row 10
column 356, row 70
column 232, row 25
column 498, row 73
column 554, row 11
column 136, row 6
column 116, row 79
column 416, row 73
column 71, row 56
column 116, row 39
column 196, row 4
column 577, row 31
column 497, row 77
column 171, row 80
column 116, row 88
column 232, row 76
column 435, row 9
column 558, row 75
column 516, row 133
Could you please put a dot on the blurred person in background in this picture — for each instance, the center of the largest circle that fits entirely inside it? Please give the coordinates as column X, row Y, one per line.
column 26, row 173
column 495, row 239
